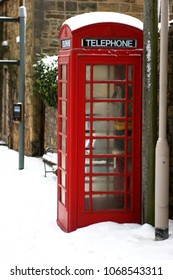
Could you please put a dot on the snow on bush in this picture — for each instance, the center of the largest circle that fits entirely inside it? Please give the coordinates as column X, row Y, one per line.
column 45, row 73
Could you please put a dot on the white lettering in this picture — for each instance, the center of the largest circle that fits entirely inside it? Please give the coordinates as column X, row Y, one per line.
column 103, row 43
column 94, row 43
column 119, row 43
column 87, row 42
column 130, row 43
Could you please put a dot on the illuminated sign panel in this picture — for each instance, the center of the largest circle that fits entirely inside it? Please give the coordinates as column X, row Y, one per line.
column 109, row 43
column 66, row 44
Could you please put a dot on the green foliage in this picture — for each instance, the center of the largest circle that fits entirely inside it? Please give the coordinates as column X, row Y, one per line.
column 45, row 73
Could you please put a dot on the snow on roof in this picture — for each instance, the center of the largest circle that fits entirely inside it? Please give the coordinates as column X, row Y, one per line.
column 82, row 20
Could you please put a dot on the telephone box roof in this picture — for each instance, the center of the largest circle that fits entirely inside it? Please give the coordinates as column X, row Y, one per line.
column 85, row 19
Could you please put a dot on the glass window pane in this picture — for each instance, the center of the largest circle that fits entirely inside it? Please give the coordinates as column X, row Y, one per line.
column 118, row 109
column 130, row 92
column 103, row 72
column 87, row 202
column 100, row 91
column 119, row 146
column 63, row 108
column 130, row 72
column 63, row 72
column 63, row 178
column 87, row 91
column 119, row 91
column 87, row 146
column 119, row 128
column 88, row 69
column 129, row 165
column 62, row 196
column 107, row 183
column 130, row 109
column 87, row 128
column 107, row 201
column 103, row 91
column 63, row 125
column 87, row 165
column 119, row 165
column 64, row 93
column 63, row 161
column 109, row 109
column 106, row 165
column 103, row 128
column 63, row 143
column 129, row 184
column 87, row 110
column 103, row 146
column 119, row 183
column 120, row 72
column 107, row 91
column 129, row 127
column 109, row 72
column 129, row 146
column 103, row 165
column 87, row 184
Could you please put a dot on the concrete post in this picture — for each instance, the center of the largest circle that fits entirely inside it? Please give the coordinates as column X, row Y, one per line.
column 162, row 149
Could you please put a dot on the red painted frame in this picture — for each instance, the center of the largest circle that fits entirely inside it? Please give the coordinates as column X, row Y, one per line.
column 71, row 214
column 88, row 217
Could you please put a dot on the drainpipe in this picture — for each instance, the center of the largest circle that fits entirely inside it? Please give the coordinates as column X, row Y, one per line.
column 162, row 149
column 22, row 15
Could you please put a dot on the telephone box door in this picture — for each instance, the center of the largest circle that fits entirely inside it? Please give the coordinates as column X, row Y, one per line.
column 109, row 139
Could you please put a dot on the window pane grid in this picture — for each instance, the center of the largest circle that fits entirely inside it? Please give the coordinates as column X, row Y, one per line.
column 62, row 137
column 108, row 137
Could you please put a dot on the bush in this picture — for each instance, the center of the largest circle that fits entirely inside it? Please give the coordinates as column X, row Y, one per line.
column 45, row 77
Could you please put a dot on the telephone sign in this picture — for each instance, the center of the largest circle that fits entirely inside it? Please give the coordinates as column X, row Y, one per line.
column 65, row 44
column 109, row 43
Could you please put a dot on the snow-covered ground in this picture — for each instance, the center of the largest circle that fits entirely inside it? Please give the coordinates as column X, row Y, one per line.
column 30, row 238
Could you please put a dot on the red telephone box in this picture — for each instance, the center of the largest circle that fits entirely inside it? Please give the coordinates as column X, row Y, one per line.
column 99, row 120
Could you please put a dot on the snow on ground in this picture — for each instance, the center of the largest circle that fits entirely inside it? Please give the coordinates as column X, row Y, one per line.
column 30, row 236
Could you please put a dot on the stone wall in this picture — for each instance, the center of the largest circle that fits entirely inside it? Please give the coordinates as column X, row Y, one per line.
column 10, row 32
column 33, row 106
column 50, row 127
column 48, row 18
column 1, row 72
column 44, row 19
column 50, row 14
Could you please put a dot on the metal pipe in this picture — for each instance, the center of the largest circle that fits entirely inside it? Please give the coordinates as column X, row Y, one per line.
column 17, row 62
column 22, row 13
column 9, row 19
column 162, row 148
